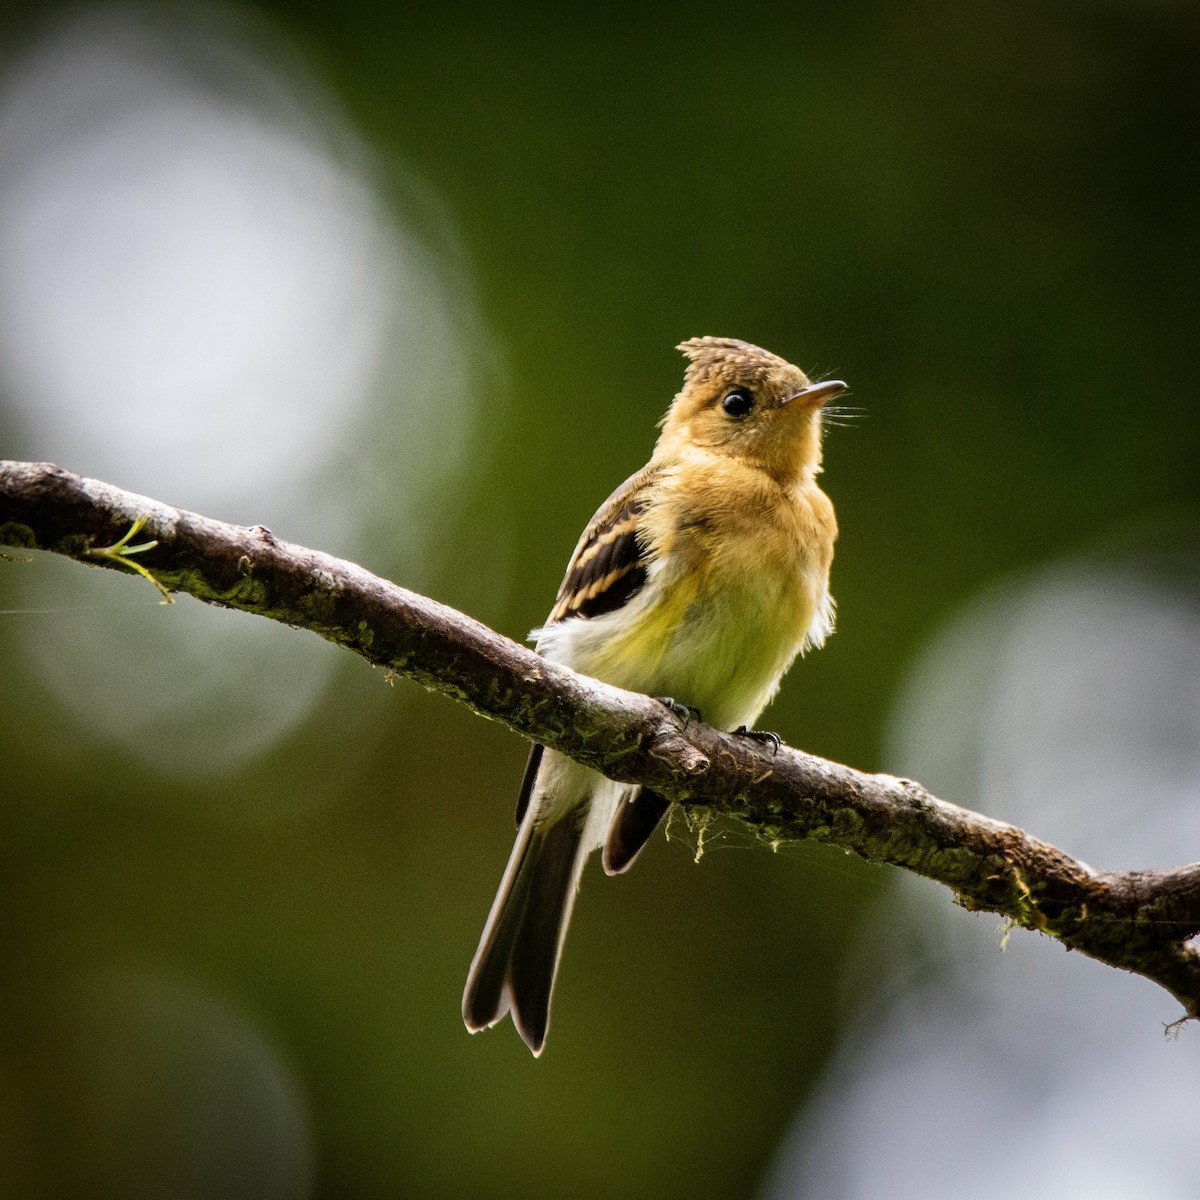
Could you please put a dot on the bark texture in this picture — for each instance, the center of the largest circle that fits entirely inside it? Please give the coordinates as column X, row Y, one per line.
column 1140, row 921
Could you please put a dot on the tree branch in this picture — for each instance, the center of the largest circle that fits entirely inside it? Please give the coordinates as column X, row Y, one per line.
column 1140, row 921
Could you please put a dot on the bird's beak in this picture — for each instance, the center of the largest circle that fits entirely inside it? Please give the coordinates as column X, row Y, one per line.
column 816, row 394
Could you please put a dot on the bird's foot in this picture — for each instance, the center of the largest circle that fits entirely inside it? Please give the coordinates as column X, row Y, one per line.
column 759, row 735
column 684, row 712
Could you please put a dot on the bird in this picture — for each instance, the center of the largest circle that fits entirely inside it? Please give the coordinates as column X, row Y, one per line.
column 697, row 582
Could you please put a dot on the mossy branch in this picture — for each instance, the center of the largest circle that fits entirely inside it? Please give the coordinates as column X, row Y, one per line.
column 1140, row 921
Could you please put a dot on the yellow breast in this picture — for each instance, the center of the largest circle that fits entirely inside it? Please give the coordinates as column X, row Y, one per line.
column 738, row 582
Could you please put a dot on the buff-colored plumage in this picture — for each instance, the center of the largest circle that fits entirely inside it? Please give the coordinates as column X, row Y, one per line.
column 700, row 579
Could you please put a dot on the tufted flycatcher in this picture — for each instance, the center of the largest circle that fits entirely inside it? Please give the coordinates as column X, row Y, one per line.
column 699, row 580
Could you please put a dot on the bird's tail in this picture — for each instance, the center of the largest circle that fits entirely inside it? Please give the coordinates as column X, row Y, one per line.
column 514, row 967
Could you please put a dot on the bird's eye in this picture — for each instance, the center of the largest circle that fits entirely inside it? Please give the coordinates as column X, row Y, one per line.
column 738, row 404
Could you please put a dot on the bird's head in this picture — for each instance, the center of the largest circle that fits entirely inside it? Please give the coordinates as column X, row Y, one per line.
column 743, row 401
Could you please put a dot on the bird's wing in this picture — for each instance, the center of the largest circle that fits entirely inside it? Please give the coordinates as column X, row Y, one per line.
column 608, row 567
column 606, row 571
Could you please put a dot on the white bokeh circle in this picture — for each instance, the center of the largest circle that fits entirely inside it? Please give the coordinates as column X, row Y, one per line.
column 206, row 297
column 1069, row 704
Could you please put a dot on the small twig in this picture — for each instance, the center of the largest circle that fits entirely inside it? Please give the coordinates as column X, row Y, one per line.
column 121, row 552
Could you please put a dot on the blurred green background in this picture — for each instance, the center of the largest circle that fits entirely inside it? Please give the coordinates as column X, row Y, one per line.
column 984, row 219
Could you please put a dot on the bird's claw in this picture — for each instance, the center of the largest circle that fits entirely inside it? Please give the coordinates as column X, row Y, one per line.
column 682, row 712
column 760, row 735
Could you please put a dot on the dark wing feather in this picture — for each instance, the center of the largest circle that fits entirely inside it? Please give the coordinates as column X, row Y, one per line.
column 637, row 818
column 605, row 571
column 608, row 567
column 531, row 769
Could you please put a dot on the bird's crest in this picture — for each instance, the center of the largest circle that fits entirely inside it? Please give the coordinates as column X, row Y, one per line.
column 710, row 356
